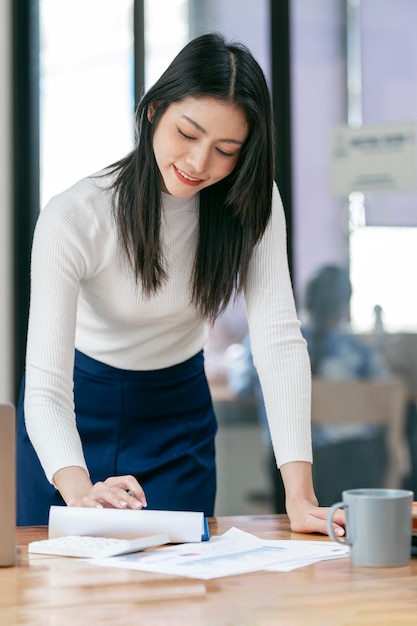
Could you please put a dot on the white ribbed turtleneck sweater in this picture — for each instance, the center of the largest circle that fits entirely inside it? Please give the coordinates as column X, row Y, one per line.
column 84, row 295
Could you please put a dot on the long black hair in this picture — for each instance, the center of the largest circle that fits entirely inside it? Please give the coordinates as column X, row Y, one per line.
column 233, row 212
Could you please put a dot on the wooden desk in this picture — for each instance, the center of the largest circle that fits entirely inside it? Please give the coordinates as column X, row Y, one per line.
column 55, row 591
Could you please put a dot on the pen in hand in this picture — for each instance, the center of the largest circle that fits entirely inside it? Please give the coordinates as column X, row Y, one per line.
column 132, row 494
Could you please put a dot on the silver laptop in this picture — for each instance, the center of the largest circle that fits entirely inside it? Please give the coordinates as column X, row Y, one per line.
column 7, row 486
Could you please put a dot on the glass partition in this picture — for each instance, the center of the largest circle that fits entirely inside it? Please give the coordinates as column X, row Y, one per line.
column 86, row 88
column 353, row 64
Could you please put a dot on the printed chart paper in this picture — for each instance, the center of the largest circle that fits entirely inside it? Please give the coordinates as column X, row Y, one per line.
column 235, row 552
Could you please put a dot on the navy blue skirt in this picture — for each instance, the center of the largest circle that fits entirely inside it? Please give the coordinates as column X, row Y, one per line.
column 157, row 425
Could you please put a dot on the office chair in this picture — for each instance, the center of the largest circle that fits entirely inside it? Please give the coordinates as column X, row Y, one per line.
column 368, row 403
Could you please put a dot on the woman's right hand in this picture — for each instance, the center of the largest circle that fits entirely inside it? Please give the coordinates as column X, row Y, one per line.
column 119, row 492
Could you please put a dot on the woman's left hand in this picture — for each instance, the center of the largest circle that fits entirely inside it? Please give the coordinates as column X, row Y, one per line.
column 301, row 503
column 306, row 517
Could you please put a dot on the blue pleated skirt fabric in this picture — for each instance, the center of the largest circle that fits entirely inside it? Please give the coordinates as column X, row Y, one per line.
column 156, row 425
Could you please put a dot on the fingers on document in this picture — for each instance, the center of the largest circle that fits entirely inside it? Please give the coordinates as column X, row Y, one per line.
column 120, row 492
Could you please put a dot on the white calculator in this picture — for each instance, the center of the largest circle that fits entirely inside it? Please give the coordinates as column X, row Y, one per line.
column 94, row 547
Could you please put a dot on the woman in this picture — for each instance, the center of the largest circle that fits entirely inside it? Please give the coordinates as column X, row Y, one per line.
column 128, row 267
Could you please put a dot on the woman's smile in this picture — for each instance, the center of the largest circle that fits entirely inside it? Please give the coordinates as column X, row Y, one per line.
column 197, row 143
column 186, row 178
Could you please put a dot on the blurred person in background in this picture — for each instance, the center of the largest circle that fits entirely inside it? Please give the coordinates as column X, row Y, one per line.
column 344, row 453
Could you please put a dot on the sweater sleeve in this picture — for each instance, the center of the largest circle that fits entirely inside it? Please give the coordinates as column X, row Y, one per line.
column 279, row 349
column 57, row 266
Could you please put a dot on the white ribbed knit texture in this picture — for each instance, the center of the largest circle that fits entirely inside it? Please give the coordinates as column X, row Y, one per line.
column 84, row 295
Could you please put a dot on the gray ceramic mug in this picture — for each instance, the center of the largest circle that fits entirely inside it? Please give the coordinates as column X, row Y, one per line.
column 378, row 526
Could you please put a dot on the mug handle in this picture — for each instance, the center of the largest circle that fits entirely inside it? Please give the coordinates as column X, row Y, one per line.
column 330, row 530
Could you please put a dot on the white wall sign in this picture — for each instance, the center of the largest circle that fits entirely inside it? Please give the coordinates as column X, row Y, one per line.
column 377, row 158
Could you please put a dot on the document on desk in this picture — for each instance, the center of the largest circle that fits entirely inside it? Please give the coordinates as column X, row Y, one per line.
column 235, row 552
column 180, row 526
column 303, row 553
